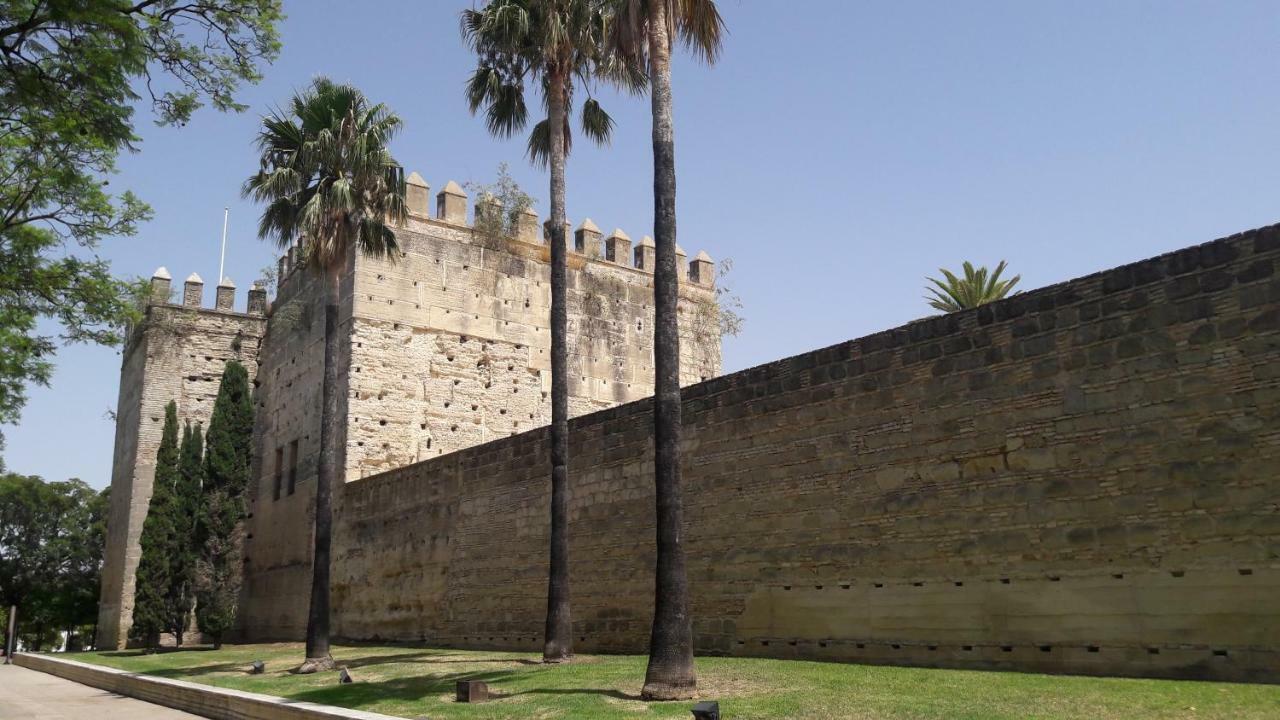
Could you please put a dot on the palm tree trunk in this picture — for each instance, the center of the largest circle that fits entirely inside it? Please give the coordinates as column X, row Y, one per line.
column 670, row 675
column 317, row 655
column 558, row 645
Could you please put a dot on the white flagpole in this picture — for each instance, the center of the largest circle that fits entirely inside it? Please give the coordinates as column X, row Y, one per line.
column 222, row 259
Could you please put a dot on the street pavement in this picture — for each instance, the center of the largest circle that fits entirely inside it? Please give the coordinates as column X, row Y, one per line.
column 31, row 695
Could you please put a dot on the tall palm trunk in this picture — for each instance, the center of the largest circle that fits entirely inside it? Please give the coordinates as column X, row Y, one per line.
column 317, row 656
column 11, row 635
column 670, row 674
column 559, row 630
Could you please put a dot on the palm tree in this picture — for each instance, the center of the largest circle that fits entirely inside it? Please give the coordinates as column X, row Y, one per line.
column 642, row 32
column 974, row 289
column 328, row 179
column 556, row 44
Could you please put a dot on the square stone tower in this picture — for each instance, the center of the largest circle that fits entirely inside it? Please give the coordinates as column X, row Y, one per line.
column 176, row 353
column 443, row 347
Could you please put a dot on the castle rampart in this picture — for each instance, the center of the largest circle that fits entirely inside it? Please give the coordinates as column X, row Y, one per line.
column 1080, row 478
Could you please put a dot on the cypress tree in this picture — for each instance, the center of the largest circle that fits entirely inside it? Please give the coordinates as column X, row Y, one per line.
column 220, row 527
column 151, row 588
column 182, row 591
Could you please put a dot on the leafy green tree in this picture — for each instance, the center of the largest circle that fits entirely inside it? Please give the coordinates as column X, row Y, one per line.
column 25, row 560
column 978, row 287
column 79, row 293
column 326, row 174
column 643, row 32
column 73, row 601
column 557, row 45
column 220, row 526
column 50, row 554
column 68, row 69
column 181, row 595
column 154, row 579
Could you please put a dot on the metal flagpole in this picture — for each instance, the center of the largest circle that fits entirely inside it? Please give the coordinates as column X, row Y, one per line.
column 222, row 259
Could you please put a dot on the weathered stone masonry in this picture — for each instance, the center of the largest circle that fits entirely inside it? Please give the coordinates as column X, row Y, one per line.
column 443, row 347
column 446, row 347
column 1081, row 478
column 177, row 353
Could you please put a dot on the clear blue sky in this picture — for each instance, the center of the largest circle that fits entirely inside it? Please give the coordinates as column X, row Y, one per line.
column 839, row 153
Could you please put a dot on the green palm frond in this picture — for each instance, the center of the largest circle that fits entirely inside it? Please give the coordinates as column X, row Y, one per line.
column 325, row 174
column 977, row 287
column 596, row 123
column 697, row 24
column 534, row 40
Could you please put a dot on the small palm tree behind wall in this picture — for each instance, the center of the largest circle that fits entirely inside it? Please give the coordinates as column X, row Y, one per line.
column 326, row 177
column 977, row 287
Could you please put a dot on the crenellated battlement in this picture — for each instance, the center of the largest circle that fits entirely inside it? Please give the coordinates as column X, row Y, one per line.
column 193, row 293
column 176, row 353
column 587, row 241
column 443, row 346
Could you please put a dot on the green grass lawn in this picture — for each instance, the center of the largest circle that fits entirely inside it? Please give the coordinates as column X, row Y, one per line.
column 414, row 682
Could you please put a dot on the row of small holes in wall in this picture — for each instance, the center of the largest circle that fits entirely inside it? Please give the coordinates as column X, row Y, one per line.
column 501, row 411
column 387, row 446
column 1245, row 572
column 504, row 638
column 1151, row 650
column 418, row 306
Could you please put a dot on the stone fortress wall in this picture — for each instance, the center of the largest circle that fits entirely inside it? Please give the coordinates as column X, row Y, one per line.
column 445, row 347
column 177, row 353
column 1080, row 478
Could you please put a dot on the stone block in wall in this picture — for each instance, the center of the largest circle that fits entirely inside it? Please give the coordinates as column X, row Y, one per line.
column 645, row 253
column 417, row 195
column 193, row 291
column 225, row 295
column 586, row 239
column 451, row 204
column 617, row 248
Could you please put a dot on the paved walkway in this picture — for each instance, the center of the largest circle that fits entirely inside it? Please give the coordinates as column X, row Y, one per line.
column 31, row 695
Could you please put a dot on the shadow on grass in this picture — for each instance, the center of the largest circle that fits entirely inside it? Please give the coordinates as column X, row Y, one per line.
column 579, row 691
column 363, row 694
column 142, row 652
column 428, row 657
column 185, row 672
column 360, row 694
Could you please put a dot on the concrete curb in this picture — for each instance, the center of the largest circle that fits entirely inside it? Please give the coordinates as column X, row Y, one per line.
column 204, row 700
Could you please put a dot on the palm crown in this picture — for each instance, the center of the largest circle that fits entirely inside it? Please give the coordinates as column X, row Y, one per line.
column 531, row 40
column 977, row 287
column 326, row 174
column 696, row 23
